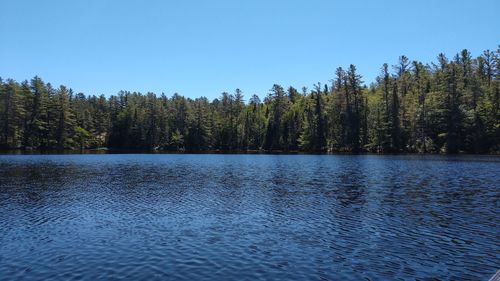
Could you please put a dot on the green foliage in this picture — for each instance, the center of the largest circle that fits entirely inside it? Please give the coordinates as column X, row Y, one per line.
column 82, row 137
column 450, row 106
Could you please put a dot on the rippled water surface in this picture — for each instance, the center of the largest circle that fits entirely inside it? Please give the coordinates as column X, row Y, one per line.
column 248, row 217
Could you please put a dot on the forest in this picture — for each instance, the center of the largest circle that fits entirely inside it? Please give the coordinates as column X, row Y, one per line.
column 447, row 106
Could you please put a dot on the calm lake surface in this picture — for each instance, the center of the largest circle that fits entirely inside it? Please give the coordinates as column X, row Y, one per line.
column 248, row 217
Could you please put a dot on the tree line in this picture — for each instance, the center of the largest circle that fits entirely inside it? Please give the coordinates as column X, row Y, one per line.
column 448, row 106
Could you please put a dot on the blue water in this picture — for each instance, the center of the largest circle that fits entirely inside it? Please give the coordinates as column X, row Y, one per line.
column 248, row 217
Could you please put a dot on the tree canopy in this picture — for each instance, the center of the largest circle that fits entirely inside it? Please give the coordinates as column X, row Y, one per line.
column 449, row 106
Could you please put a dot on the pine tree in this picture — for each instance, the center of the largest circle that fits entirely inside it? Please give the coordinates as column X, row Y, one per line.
column 11, row 114
column 64, row 119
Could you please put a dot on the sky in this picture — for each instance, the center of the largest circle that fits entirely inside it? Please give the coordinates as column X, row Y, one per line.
column 203, row 48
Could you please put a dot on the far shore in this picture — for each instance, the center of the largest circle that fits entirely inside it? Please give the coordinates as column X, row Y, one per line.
column 105, row 150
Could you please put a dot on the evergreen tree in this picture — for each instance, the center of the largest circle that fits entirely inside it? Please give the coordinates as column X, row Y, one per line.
column 449, row 106
column 64, row 125
column 11, row 114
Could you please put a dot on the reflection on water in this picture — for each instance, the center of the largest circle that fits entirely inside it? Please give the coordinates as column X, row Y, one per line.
column 248, row 217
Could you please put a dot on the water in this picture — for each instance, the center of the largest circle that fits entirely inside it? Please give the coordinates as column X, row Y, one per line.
column 248, row 217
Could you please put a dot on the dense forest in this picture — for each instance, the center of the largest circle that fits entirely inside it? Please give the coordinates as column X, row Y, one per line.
column 449, row 106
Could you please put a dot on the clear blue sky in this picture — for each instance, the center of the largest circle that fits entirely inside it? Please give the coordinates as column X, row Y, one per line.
column 202, row 48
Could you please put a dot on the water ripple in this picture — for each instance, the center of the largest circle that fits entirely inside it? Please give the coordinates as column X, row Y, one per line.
column 248, row 217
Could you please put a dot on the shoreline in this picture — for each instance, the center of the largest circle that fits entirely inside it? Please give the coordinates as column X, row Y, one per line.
column 238, row 152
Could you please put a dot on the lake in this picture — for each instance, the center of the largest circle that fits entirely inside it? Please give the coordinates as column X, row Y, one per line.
column 248, row 217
